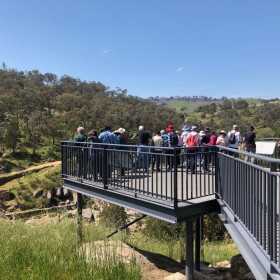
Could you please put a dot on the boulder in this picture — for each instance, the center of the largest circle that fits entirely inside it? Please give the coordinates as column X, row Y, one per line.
column 11, row 209
column 50, row 195
column 3, row 216
column 38, row 193
column 87, row 214
column 59, row 192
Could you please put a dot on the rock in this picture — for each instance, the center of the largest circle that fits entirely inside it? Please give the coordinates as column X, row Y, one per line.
column 238, row 267
column 66, row 192
column 5, row 195
column 38, row 193
column 50, row 195
column 223, row 264
column 176, row 276
column 11, row 209
column 3, row 216
column 87, row 214
column 59, row 192
column 67, row 201
column 71, row 213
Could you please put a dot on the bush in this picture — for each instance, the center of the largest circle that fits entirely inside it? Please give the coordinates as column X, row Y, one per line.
column 113, row 216
column 214, row 229
column 163, row 230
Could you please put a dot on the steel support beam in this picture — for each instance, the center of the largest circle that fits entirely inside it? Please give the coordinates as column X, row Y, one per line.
column 79, row 215
column 189, row 250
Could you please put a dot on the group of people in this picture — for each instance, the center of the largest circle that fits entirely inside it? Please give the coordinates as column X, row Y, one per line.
column 167, row 138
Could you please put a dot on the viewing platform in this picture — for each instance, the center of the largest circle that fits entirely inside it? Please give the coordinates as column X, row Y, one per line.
column 185, row 187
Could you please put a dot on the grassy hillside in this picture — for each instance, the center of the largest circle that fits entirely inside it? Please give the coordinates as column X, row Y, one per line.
column 187, row 106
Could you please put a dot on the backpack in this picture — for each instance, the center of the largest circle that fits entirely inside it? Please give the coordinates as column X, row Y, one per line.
column 173, row 139
column 164, row 138
column 232, row 138
column 191, row 141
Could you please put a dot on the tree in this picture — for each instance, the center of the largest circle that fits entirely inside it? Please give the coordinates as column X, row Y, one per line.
column 240, row 104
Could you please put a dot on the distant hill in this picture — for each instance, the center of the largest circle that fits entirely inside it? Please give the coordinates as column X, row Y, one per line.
column 189, row 104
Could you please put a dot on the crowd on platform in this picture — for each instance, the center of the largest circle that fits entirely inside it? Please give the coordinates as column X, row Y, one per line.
column 190, row 139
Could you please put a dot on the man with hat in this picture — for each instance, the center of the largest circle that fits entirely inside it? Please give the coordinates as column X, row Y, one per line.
column 184, row 135
column 186, row 130
column 172, row 143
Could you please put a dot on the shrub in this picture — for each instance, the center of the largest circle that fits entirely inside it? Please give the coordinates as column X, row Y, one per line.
column 113, row 216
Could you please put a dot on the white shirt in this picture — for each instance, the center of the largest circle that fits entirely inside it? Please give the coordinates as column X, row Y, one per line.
column 237, row 139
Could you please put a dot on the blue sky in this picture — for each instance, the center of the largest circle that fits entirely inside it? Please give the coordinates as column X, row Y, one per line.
column 150, row 48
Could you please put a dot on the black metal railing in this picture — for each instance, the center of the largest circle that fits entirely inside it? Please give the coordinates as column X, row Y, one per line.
column 166, row 174
column 251, row 192
column 249, row 189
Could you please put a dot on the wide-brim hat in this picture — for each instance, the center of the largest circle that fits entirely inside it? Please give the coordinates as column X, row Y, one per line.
column 194, row 128
column 206, row 129
column 185, row 128
column 223, row 132
column 121, row 130
column 170, row 127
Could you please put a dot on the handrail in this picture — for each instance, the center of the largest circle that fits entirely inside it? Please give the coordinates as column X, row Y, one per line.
column 249, row 190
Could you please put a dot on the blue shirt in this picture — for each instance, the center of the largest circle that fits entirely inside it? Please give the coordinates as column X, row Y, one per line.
column 107, row 137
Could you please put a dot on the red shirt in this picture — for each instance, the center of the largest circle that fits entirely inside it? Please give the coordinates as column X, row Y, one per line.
column 213, row 140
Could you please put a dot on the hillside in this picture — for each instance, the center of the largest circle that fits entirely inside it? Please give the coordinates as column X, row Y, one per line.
column 190, row 104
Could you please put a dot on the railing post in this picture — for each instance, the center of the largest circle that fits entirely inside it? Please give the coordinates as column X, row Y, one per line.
column 273, row 167
column 175, row 178
column 104, row 167
column 271, row 229
column 64, row 159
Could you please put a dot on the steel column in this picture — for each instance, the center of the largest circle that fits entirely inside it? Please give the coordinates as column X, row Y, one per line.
column 79, row 215
column 189, row 250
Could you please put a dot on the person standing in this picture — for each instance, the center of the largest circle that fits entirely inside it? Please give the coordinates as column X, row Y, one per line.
column 205, row 142
column 222, row 140
column 107, row 158
column 186, row 130
column 143, row 139
column 157, row 144
column 122, row 157
column 81, row 152
column 250, row 144
column 213, row 141
column 234, row 137
column 94, row 154
column 193, row 140
column 172, row 143
column 107, row 137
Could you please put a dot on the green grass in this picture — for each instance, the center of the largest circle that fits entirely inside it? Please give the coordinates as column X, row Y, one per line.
column 212, row 252
column 23, row 188
column 188, row 106
column 51, row 251
column 218, row 251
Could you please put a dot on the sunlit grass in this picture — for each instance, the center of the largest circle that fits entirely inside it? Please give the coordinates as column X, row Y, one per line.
column 50, row 251
column 211, row 252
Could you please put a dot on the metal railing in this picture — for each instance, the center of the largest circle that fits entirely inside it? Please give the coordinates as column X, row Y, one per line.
column 251, row 192
column 168, row 174
column 172, row 176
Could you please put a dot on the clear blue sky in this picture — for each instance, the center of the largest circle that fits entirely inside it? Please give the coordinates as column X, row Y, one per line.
column 154, row 48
